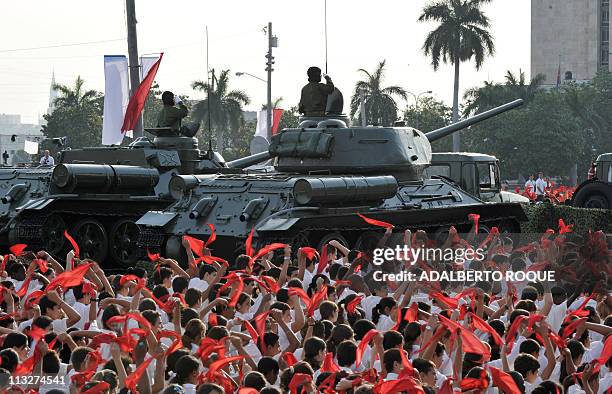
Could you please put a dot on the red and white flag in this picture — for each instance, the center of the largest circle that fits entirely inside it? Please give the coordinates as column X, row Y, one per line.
column 137, row 102
column 262, row 122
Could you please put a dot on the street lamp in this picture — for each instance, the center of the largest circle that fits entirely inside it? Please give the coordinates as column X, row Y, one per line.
column 416, row 104
column 241, row 73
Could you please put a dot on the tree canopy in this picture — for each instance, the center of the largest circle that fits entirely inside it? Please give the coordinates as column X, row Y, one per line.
column 380, row 105
column 77, row 115
column 225, row 107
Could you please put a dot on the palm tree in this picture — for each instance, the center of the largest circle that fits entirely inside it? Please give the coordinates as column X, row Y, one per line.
column 225, row 106
column 520, row 88
column 76, row 96
column 494, row 94
column 460, row 36
column 380, row 105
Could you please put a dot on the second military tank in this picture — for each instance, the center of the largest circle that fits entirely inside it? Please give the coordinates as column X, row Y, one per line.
column 325, row 172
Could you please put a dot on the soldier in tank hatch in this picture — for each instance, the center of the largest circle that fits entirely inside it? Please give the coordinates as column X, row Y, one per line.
column 314, row 95
column 171, row 116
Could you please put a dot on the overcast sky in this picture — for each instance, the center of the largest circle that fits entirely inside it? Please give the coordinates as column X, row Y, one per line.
column 360, row 34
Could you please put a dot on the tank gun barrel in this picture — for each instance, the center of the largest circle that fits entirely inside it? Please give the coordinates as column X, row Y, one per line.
column 247, row 161
column 450, row 129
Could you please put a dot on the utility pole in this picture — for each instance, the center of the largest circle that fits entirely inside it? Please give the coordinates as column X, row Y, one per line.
column 130, row 8
column 272, row 43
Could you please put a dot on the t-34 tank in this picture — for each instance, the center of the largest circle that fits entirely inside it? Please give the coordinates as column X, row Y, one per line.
column 97, row 194
column 325, row 173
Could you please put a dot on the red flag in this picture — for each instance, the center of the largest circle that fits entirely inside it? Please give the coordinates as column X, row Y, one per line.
column 137, row 101
column 24, row 287
column 126, row 278
column 557, row 340
column 42, row 264
column 407, row 368
column 234, row 299
column 36, row 332
column 26, row 367
column 134, row 377
column 196, row 245
column 351, row 306
column 329, row 365
column 75, row 246
column 450, row 302
column 362, row 346
column 260, row 325
column 606, row 353
column 298, row 380
column 504, row 381
column 248, row 390
column 480, row 324
column 69, row 278
column 289, row 359
column 447, row 386
column 271, row 282
column 248, row 245
column 412, row 314
column 99, row 388
column 407, row 385
column 252, row 332
column 323, row 260
column 570, row 328
column 18, row 249
column 221, row 363
column 470, row 342
column 474, row 217
column 309, row 252
column 481, row 383
column 153, row 256
column 212, row 319
column 176, row 344
column 374, row 222
column 213, row 235
column 511, row 334
column 265, row 250
column 317, row 299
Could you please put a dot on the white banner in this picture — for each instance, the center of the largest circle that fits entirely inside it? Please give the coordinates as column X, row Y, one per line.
column 30, row 147
column 116, row 97
column 146, row 62
column 262, row 124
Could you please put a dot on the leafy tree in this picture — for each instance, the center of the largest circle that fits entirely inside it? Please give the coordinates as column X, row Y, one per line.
column 152, row 107
column 225, row 107
column 239, row 140
column 460, row 36
column 533, row 138
column 591, row 103
column 77, row 115
column 380, row 105
column 431, row 114
column 290, row 119
column 494, row 94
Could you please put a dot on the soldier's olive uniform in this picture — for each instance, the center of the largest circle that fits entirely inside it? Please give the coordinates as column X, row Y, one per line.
column 171, row 116
column 314, row 98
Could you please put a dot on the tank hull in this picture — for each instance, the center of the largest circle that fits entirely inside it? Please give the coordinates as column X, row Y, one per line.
column 432, row 205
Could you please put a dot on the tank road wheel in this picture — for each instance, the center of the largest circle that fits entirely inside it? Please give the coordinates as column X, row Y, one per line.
column 333, row 236
column 123, row 237
column 91, row 237
column 53, row 234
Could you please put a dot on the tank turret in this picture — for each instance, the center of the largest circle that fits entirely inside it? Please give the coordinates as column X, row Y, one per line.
column 328, row 145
